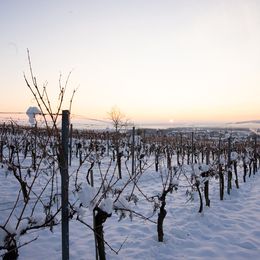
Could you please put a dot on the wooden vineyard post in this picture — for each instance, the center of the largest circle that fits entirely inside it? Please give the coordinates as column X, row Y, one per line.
column 108, row 146
column 229, row 184
column 192, row 147
column 94, row 222
column 221, row 176
column 133, row 152
column 255, row 155
column 34, row 147
column 64, row 184
column 1, row 150
column 206, row 188
column 2, row 143
column 71, row 129
column 182, row 151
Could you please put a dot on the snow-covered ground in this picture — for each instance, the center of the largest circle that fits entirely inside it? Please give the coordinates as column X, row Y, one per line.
column 229, row 229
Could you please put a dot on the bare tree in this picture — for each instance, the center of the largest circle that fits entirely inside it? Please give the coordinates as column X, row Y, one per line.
column 119, row 121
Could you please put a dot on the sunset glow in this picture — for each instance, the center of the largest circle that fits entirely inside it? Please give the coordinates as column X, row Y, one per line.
column 163, row 61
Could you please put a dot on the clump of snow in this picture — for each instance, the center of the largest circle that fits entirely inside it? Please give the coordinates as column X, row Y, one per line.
column 175, row 182
column 123, row 208
column 222, row 160
column 234, row 156
column 81, row 212
column 204, row 167
column 31, row 112
column 2, row 237
column 37, row 219
column 23, row 225
column 88, row 196
column 195, row 170
column 3, row 234
column 122, row 203
column 106, row 205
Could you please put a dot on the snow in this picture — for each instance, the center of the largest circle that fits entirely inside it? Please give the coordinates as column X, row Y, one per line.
column 37, row 219
column 88, row 196
column 204, row 167
column 31, row 112
column 234, row 156
column 229, row 229
column 122, row 203
column 107, row 205
column 175, row 182
column 3, row 233
column 222, row 160
column 2, row 237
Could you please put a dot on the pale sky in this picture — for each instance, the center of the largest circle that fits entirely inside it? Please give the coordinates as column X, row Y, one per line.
column 155, row 60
